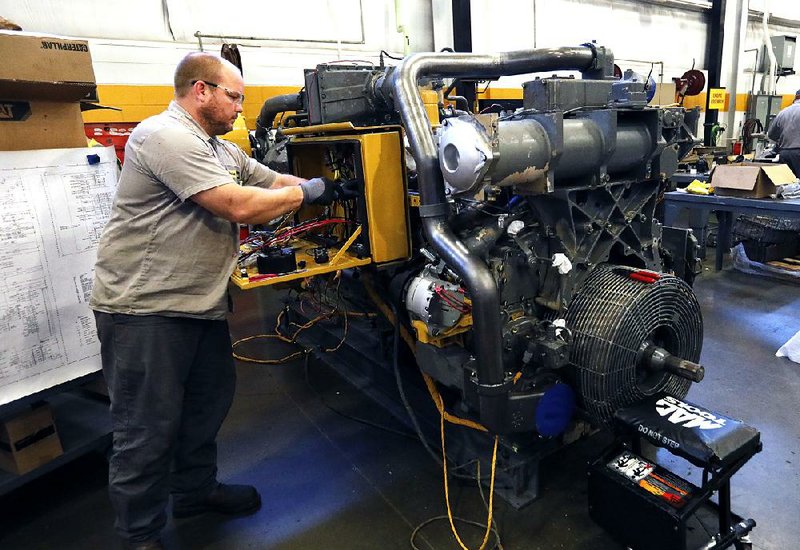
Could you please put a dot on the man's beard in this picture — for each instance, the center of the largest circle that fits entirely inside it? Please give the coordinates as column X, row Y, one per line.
column 216, row 127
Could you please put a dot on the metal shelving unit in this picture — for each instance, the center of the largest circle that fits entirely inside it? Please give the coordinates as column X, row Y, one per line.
column 83, row 423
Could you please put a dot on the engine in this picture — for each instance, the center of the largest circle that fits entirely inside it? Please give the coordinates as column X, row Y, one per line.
column 521, row 248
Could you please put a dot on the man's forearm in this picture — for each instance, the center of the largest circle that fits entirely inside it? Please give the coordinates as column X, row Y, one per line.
column 263, row 205
column 251, row 205
column 286, row 180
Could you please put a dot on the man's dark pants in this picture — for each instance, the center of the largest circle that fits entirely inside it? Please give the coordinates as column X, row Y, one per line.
column 171, row 381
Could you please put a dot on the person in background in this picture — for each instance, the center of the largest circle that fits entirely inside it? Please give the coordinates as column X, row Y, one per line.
column 160, row 298
column 785, row 132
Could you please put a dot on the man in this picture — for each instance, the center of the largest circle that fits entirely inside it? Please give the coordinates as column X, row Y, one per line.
column 785, row 131
column 160, row 302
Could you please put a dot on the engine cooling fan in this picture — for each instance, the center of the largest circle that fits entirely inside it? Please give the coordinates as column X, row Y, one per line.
column 634, row 333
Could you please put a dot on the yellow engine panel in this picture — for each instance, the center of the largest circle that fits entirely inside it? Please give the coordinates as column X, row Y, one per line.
column 380, row 160
column 379, row 234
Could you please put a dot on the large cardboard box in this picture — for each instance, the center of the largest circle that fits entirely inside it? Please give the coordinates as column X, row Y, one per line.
column 45, row 67
column 29, row 440
column 42, row 80
column 753, row 180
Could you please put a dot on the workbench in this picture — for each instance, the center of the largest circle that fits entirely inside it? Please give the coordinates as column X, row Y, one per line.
column 725, row 207
column 682, row 179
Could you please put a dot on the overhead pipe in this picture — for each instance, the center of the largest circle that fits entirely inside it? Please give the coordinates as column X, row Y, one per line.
column 400, row 26
column 462, row 43
column 772, row 67
column 402, row 85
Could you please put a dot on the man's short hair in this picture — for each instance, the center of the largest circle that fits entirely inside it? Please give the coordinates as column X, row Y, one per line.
column 197, row 66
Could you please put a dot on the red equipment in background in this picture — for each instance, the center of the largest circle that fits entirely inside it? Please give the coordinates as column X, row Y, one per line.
column 111, row 133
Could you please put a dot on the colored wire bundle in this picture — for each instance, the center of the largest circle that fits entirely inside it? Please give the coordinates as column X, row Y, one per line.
column 451, row 300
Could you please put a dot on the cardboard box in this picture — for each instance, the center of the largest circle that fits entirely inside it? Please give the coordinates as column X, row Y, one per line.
column 753, row 180
column 665, row 94
column 45, row 68
column 29, row 440
column 42, row 80
column 26, row 125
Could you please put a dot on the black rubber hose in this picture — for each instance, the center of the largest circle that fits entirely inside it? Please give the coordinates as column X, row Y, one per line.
column 271, row 108
column 401, row 390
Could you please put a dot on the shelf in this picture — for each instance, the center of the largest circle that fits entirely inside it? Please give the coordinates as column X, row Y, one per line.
column 340, row 259
column 83, row 424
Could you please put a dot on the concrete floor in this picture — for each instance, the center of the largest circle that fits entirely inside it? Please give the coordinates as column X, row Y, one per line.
column 331, row 483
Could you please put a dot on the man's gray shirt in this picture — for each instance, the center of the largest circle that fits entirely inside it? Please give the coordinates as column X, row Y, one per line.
column 785, row 129
column 161, row 254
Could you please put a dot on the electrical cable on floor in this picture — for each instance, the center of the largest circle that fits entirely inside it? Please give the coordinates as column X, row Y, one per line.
column 260, row 361
column 489, row 526
column 307, row 354
column 497, row 544
column 491, row 492
column 403, row 398
column 306, row 371
column 391, row 315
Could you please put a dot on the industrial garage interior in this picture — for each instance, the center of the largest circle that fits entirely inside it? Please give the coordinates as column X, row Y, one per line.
column 528, row 276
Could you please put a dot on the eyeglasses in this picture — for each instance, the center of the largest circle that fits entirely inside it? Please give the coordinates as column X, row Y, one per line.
column 235, row 96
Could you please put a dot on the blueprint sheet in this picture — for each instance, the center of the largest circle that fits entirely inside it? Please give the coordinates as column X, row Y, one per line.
column 53, row 207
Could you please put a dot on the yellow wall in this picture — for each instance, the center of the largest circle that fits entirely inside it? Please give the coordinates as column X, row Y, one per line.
column 689, row 102
column 140, row 102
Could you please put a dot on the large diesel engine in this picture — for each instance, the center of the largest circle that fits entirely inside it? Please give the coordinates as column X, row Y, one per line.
column 520, row 248
column 541, row 269
column 518, row 254
column 545, row 219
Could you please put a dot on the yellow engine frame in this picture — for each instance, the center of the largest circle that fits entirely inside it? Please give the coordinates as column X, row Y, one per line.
column 381, row 163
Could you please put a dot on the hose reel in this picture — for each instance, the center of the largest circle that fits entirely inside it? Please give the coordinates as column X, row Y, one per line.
column 632, row 338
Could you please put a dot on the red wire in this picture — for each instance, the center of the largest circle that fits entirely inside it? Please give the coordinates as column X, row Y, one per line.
column 302, row 228
column 451, row 301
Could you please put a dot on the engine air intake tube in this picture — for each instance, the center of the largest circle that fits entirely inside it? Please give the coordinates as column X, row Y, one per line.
column 402, row 83
column 273, row 106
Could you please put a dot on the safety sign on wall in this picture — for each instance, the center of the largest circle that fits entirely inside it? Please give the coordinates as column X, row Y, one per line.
column 716, row 98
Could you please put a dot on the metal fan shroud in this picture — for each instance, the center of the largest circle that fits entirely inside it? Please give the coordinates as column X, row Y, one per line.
column 612, row 319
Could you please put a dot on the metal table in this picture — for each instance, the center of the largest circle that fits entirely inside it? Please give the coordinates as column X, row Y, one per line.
column 726, row 207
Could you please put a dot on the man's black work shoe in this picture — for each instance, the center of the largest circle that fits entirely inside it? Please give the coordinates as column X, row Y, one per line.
column 224, row 499
column 148, row 545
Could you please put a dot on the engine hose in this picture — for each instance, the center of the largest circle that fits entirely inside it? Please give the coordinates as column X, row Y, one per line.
column 402, row 392
column 273, row 106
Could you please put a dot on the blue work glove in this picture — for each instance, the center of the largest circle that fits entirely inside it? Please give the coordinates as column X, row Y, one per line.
column 321, row 191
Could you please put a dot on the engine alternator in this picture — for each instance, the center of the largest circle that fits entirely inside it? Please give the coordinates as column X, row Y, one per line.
column 427, row 300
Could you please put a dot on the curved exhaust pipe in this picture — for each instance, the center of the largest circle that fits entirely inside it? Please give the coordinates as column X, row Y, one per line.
column 401, row 85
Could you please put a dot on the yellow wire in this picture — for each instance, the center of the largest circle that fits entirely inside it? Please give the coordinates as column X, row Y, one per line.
column 289, row 339
column 443, row 415
column 344, row 335
column 264, row 361
column 447, row 491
